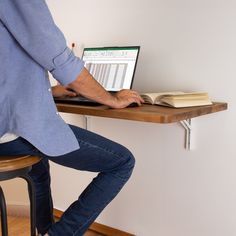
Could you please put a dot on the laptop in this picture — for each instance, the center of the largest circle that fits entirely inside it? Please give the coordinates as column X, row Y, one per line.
column 112, row 67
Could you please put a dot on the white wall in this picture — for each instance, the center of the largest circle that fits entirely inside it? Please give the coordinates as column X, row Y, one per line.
column 185, row 45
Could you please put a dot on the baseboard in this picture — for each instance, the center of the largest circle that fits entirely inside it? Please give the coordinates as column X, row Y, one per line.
column 24, row 211
column 99, row 228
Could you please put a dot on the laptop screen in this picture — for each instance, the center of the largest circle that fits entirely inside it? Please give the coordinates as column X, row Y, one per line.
column 112, row 67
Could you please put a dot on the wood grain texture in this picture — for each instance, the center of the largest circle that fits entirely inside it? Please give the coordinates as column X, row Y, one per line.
column 10, row 163
column 146, row 113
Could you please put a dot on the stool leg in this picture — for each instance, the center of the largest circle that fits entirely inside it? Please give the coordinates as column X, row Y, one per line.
column 3, row 213
column 31, row 190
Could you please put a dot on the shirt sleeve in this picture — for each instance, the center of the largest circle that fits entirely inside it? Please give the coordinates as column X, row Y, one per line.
column 31, row 24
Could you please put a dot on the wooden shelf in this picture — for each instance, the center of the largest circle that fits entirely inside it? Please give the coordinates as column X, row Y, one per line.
column 146, row 113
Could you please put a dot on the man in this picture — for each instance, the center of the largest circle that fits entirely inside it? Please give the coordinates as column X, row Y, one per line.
column 30, row 46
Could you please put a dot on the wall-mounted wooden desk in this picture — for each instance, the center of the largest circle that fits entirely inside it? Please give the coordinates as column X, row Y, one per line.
column 147, row 113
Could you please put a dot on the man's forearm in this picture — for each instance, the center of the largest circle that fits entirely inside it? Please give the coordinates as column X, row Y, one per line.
column 87, row 86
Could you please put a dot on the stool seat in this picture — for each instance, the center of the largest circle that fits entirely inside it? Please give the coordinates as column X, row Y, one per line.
column 12, row 167
column 9, row 163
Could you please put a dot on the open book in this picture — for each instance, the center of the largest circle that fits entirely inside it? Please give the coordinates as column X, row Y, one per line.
column 177, row 99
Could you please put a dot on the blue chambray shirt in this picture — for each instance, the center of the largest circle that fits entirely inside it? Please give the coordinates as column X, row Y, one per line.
column 30, row 46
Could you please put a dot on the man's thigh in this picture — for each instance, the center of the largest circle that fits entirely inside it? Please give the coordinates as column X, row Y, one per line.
column 96, row 153
column 18, row 146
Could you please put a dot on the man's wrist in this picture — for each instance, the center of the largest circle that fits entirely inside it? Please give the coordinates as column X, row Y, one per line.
column 112, row 101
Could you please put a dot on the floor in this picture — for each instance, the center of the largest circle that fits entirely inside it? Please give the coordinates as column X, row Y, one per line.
column 19, row 226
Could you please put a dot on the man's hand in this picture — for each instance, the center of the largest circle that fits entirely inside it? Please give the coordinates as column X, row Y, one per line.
column 62, row 91
column 125, row 97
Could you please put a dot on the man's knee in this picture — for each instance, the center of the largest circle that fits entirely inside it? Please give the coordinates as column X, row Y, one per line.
column 129, row 161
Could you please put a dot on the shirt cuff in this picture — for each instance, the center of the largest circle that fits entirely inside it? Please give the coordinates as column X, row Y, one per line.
column 67, row 67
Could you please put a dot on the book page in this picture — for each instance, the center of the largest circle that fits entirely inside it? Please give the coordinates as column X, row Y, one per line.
column 187, row 99
column 160, row 95
column 186, row 103
column 154, row 98
column 148, row 97
column 195, row 95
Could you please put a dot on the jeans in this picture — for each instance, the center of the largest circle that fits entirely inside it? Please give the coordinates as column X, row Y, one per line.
column 113, row 162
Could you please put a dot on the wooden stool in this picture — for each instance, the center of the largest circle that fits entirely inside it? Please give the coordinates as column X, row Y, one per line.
column 12, row 167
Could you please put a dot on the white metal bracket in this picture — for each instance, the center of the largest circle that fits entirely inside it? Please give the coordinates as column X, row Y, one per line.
column 87, row 120
column 185, row 123
column 188, row 133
